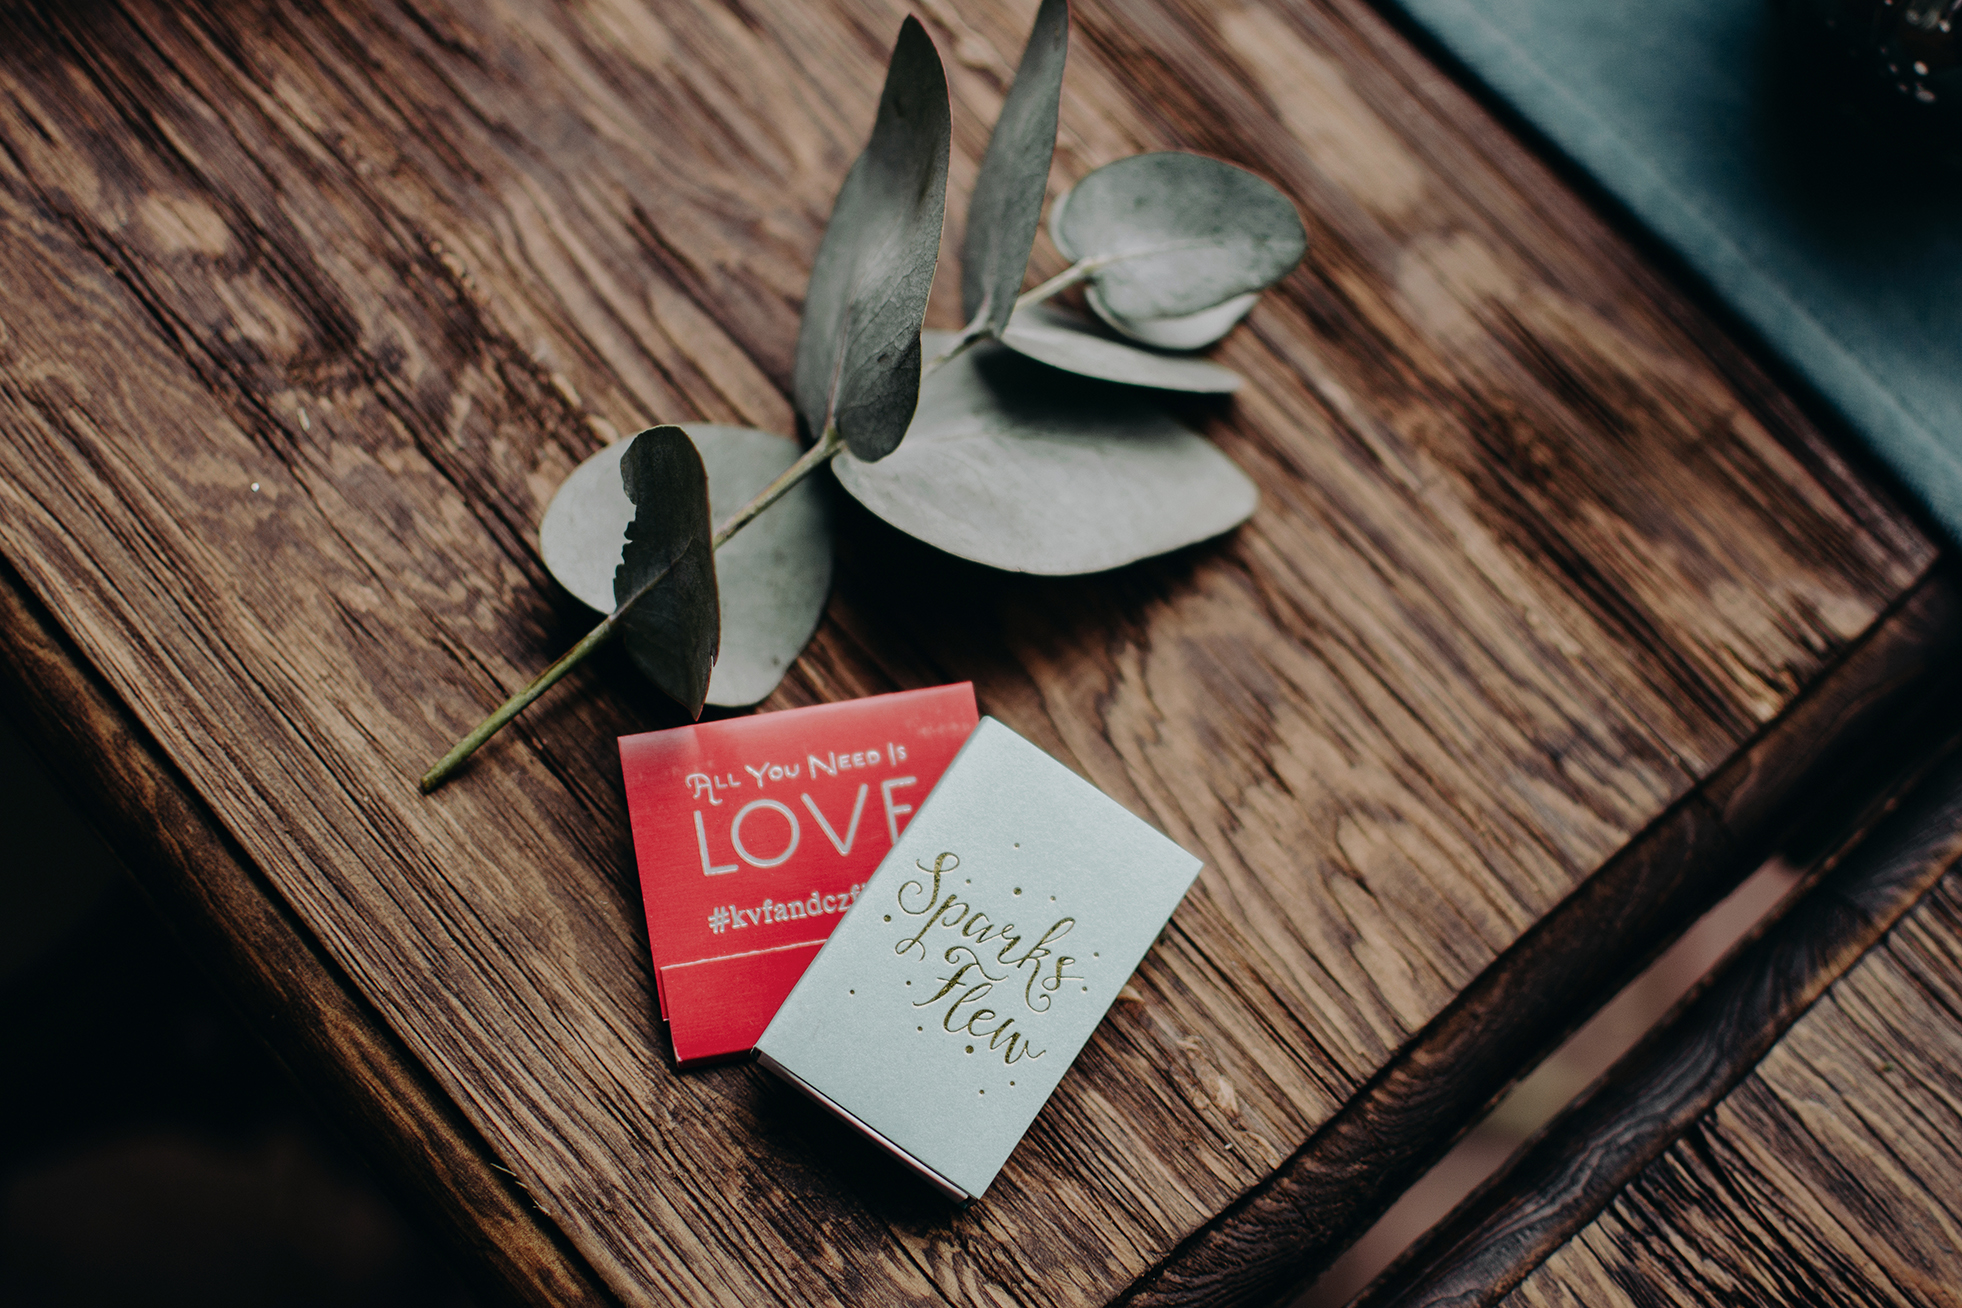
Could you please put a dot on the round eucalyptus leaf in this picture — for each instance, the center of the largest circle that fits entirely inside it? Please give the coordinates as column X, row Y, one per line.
column 1056, row 212
column 858, row 344
column 1194, row 331
column 1006, row 207
column 1064, row 340
column 774, row 576
column 585, row 528
column 669, row 617
column 1170, row 234
column 1020, row 467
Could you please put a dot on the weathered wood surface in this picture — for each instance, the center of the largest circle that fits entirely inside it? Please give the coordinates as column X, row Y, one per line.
column 1893, row 832
column 1832, row 1175
column 1773, row 793
column 1539, row 554
column 295, row 999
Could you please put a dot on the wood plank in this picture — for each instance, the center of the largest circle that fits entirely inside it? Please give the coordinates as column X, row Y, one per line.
column 1821, row 763
column 1833, row 1174
column 1538, row 554
column 339, row 1052
column 1650, row 1099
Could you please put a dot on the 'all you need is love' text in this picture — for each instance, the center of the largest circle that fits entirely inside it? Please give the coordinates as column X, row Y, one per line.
column 766, row 832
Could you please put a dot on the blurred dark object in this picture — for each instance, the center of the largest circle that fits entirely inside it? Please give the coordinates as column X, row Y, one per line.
column 1896, row 64
column 151, row 1152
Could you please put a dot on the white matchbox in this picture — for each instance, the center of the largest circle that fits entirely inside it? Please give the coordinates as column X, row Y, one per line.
column 985, row 949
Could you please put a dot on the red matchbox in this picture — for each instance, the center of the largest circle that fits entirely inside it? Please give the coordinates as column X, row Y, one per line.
column 755, row 834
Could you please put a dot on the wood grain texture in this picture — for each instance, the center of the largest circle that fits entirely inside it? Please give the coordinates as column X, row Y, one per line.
column 1812, row 780
column 1893, row 830
column 305, row 312
column 1833, row 1174
column 294, row 1000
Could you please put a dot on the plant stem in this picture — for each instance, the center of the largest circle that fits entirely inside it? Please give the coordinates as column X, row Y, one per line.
column 511, row 707
column 828, row 447
column 1061, row 282
column 959, row 347
column 972, row 335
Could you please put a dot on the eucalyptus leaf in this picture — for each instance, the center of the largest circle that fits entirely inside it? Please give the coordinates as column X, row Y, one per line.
column 1064, row 340
column 665, row 584
column 1193, row 331
column 1171, row 234
column 773, row 577
column 1006, row 207
column 858, row 347
column 1020, row 467
column 1056, row 213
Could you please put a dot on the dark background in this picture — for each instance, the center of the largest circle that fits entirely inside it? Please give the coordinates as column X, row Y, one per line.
column 152, row 1152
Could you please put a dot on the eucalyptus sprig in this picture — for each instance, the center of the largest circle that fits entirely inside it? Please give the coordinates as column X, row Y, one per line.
column 664, row 589
column 1043, row 463
column 857, row 384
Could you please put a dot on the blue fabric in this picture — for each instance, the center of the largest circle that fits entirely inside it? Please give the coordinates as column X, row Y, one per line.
column 1682, row 110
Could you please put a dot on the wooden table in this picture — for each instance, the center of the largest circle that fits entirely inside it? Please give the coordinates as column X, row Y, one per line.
column 1832, row 1174
column 1794, row 1135
column 1555, row 606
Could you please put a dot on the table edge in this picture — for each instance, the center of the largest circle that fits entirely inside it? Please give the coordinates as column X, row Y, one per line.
column 1287, row 1229
column 1683, row 1070
column 291, row 995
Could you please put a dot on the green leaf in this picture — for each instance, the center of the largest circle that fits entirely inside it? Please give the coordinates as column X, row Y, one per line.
column 665, row 584
column 1192, row 331
column 585, row 528
column 1006, row 207
column 858, row 347
column 1024, row 468
column 1064, row 340
column 773, row 577
column 1170, row 234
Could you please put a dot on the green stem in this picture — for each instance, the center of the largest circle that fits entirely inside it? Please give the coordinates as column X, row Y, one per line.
column 972, row 334
column 959, row 347
column 1081, row 270
column 1056, row 285
column 828, row 447
column 511, row 707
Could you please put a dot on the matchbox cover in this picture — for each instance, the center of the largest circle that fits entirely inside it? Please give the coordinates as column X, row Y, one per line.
column 755, row 834
column 983, row 953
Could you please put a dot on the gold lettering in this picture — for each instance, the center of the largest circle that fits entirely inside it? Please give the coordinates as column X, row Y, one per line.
column 969, row 978
column 974, row 992
column 955, row 951
column 940, row 865
column 1036, row 953
column 1009, row 942
column 974, row 924
column 950, row 983
column 1013, row 1054
column 1039, row 949
column 905, row 947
